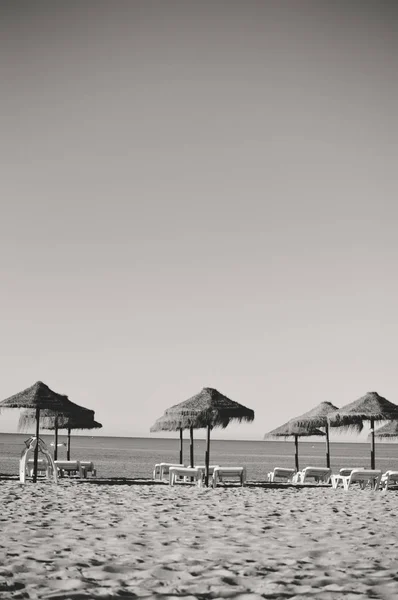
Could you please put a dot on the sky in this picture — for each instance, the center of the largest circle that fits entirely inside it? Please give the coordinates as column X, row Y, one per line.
column 199, row 194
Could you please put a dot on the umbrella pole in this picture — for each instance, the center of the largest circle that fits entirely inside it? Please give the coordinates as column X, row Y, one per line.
column 296, row 460
column 372, row 444
column 68, row 447
column 181, row 452
column 191, row 446
column 36, row 451
column 327, row 446
column 207, row 456
column 56, row 437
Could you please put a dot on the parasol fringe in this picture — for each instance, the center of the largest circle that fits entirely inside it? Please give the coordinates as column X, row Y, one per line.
column 208, row 408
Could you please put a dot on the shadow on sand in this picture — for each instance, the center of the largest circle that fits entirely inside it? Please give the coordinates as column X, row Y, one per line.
column 147, row 481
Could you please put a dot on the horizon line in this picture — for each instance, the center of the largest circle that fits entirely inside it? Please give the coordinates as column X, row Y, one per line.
column 358, row 441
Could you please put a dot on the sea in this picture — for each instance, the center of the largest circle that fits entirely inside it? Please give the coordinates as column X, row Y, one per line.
column 124, row 457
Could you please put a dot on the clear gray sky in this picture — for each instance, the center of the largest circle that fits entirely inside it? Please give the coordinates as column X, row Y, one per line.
column 199, row 194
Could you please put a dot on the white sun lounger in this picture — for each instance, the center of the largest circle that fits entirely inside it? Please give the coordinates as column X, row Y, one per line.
column 87, row 466
column 187, row 473
column 319, row 474
column 281, row 474
column 364, row 477
column 211, row 468
column 161, row 470
column 72, row 467
column 222, row 473
column 202, row 467
column 344, row 472
column 388, row 478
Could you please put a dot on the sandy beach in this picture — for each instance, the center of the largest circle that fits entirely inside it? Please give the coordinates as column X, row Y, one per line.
column 98, row 540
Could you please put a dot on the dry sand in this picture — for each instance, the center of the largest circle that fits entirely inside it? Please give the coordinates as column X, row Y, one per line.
column 91, row 540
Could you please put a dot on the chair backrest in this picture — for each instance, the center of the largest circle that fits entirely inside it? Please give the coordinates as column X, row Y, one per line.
column 166, row 466
column 203, row 467
column 230, row 470
column 67, row 464
column 317, row 471
column 282, row 471
column 87, row 464
column 346, row 471
column 186, row 471
column 364, row 474
column 391, row 477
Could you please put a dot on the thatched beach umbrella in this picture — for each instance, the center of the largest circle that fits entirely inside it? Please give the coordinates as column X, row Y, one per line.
column 318, row 417
column 39, row 397
column 388, row 431
column 370, row 407
column 208, row 409
column 292, row 429
column 50, row 420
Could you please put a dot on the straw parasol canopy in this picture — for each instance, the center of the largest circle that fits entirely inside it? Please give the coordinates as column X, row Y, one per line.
column 207, row 409
column 319, row 417
column 52, row 421
column 49, row 420
column 370, row 407
column 167, row 423
column 388, row 431
column 39, row 397
column 293, row 429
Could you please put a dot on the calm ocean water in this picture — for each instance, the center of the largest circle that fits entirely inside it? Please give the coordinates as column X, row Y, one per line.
column 136, row 457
